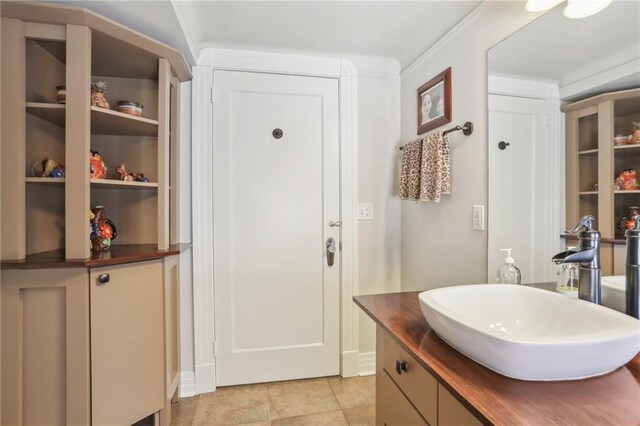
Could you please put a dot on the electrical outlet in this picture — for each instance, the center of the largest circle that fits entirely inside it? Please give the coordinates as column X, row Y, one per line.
column 478, row 218
column 365, row 211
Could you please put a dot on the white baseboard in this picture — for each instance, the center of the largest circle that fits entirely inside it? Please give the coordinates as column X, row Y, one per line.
column 187, row 384
column 350, row 364
column 205, row 378
column 367, row 364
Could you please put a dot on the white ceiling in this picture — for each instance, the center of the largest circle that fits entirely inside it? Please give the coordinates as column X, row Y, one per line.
column 396, row 29
column 567, row 51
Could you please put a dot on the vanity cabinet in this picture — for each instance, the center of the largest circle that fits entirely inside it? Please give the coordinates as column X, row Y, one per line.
column 593, row 161
column 407, row 394
column 440, row 386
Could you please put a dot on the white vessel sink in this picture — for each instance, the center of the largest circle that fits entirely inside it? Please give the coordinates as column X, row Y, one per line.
column 531, row 334
column 613, row 292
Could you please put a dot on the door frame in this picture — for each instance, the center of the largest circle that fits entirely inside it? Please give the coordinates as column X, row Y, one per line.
column 202, row 196
column 553, row 181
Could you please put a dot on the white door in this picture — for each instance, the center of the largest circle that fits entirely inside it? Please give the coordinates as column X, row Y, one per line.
column 276, row 297
column 516, row 204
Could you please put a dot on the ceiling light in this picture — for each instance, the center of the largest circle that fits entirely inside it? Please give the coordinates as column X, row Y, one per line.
column 540, row 5
column 584, row 8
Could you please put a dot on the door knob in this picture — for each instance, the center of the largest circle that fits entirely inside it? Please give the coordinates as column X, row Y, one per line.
column 336, row 223
column 331, row 251
column 104, row 278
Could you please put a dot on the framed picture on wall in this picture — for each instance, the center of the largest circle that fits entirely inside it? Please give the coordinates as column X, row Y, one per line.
column 434, row 102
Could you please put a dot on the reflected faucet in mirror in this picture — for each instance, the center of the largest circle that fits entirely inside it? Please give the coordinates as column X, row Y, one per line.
column 587, row 254
column 632, row 276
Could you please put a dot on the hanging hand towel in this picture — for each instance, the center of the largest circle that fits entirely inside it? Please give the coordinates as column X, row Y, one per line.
column 435, row 167
column 410, row 170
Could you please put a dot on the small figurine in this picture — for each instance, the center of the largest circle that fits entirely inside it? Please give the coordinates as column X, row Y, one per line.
column 97, row 168
column 627, row 180
column 50, row 168
column 102, row 230
column 635, row 133
column 97, row 94
column 124, row 175
column 130, row 177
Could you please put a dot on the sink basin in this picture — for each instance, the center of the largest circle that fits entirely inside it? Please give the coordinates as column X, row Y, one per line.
column 613, row 292
column 531, row 334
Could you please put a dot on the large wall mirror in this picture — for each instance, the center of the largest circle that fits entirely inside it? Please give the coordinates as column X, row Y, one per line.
column 533, row 75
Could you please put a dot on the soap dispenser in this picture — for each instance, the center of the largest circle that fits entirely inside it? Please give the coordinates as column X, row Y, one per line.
column 509, row 273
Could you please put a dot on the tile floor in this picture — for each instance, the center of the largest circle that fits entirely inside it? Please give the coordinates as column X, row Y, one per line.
column 324, row 401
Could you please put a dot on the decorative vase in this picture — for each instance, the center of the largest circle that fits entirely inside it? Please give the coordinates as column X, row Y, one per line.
column 102, row 230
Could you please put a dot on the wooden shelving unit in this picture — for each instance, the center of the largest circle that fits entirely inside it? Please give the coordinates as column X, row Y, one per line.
column 58, row 318
column 592, row 157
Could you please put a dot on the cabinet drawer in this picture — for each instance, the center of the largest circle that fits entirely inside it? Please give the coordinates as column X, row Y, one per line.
column 452, row 413
column 420, row 387
column 392, row 408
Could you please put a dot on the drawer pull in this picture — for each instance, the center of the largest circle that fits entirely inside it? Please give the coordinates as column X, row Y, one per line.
column 401, row 366
column 104, row 278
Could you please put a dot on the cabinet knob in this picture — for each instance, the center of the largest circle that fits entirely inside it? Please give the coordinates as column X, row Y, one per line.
column 104, row 278
column 401, row 366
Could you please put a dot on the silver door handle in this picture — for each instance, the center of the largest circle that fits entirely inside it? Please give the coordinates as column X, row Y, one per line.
column 331, row 251
column 336, row 223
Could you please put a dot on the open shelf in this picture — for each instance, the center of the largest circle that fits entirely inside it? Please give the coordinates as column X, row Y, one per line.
column 53, row 113
column 112, row 183
column 45, row 180
column 588, row 193
column 589, row 152
column 634, row 191
column 108, row 122
column 627, row 150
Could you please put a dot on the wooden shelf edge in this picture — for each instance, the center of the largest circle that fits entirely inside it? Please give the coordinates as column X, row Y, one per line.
column 121, row 183
column 124, row 116
column 45, row 180
column 117, row 255
column 45, row 105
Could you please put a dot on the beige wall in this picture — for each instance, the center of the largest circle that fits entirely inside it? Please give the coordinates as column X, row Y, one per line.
column 378, row 139
column 439, row 246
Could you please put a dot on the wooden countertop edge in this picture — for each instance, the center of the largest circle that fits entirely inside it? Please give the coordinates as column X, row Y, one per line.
column 467, row 380
column 434, row 372
column 41, row 261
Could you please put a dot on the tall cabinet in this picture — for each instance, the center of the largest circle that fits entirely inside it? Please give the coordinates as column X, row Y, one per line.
column 87, row 338
column 594, row 161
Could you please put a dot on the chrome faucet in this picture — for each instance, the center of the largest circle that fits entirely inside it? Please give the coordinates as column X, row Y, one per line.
column 632, row 277
column 587, row 254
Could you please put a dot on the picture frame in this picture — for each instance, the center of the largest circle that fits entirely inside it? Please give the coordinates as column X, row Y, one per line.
column 434, row 102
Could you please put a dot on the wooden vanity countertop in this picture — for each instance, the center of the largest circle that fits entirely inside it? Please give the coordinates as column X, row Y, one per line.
column 118, row 254
column 611, row 399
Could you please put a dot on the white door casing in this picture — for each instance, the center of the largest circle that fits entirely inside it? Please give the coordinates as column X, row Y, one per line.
column 277, row 299
column 512, row 182
column 202, row 158
column 531, row 194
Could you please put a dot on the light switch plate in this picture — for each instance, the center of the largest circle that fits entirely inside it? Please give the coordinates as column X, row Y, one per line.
column 478, row 218
column 365, row 211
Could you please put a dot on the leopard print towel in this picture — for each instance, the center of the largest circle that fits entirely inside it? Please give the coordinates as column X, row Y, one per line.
column 426, row 168
column 410, row 170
